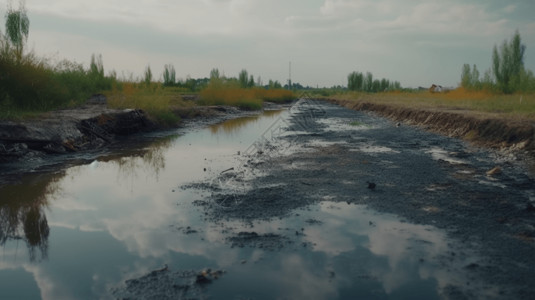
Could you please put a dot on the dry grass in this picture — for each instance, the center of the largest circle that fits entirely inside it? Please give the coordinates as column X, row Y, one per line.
column 157, row 101
column 217, row 93
column 517, row 106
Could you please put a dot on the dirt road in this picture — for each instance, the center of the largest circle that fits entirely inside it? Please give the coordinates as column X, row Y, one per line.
column 484, row 201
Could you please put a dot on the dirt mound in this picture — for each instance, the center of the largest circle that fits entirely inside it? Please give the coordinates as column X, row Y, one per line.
column 490, row 132
column 71, row 130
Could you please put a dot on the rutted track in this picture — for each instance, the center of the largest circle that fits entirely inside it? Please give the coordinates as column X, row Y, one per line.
column 331, row 153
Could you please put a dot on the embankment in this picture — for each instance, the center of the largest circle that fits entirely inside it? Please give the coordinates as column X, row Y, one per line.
column 483, row 130
column 69, row 130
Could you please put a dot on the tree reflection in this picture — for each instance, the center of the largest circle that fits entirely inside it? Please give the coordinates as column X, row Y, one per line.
column 22, row 212
column 150, row 159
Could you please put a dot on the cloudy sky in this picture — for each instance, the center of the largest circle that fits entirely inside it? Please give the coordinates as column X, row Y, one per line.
column 415, row 42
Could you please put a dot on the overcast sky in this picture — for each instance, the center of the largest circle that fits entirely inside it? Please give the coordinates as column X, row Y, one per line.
column 415, row 42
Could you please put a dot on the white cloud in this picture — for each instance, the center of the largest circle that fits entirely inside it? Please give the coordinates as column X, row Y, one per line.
column 326, row 36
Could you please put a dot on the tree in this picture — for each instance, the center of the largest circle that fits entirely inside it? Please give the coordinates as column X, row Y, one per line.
column 243, row 78
column 17, row 29
column 466, row 77
column 96, row 68
column 368, row 82
column 214, row 73
column 355, row 81
column 148, row 76
column 508, row 62
column 169, row 75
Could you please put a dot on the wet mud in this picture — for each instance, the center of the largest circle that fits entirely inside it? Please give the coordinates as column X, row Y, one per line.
column 324, row 153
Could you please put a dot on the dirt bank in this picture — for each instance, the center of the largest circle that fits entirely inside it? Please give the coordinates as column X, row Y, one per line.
column 516, row 135
column 57, row 138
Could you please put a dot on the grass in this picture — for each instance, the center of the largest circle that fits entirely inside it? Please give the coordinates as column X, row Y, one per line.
column 228, row 93
column 517, row 106
column 158, row 101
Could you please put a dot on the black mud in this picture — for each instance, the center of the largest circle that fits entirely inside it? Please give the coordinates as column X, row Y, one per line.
column 323, row 152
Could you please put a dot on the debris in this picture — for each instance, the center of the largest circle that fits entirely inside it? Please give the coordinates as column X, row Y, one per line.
column 230, row 169
column 494, row 171
column 371, row 185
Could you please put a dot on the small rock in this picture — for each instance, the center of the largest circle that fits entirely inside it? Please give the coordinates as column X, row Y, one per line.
column 494, row 171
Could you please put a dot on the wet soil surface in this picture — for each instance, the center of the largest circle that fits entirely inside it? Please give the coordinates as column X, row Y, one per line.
column 323, row 152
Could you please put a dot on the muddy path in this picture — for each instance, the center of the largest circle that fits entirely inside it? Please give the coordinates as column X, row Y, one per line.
column 322, row 152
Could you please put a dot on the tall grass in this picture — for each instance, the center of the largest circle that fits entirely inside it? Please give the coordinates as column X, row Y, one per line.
column 158, row 101
column 229, row 93
column 31, row 84
column 517, row 106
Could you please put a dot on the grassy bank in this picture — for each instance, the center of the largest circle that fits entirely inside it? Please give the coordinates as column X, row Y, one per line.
column 480, row 103
column 244, row 98
column 158, row 101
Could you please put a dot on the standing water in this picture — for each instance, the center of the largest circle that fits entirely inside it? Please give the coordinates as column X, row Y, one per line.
column 122, row 226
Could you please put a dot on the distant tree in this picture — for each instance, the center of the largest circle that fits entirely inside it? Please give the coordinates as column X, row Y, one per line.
column 251, row 82
column 169, row 75
column 214, row 74
column 355, row 81
column 274, row 84
column 470, row 78
column 385, row 83
column 368, row 82
column 17, row 29
column 466, row 77
column 96, row 68
column 148, row 76
column 243, row 78
column 508, row 62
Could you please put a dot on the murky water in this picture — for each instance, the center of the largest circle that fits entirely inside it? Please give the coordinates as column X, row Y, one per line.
column 83, row 232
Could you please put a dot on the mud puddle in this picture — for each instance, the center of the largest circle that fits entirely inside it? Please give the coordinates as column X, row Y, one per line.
column 271, row 206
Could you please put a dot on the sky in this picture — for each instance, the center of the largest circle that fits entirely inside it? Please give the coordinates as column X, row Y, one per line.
column 415, row 42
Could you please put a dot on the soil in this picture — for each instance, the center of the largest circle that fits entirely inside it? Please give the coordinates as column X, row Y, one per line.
column 490, row 131
column 483, row 199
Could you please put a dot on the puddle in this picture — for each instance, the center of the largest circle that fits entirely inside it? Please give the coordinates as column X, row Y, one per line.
column 441, row 154
column 87, row 230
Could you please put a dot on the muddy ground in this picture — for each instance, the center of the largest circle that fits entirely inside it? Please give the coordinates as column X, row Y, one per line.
column 483, row 199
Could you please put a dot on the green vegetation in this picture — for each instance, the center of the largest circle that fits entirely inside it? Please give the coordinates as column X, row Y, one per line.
column 460, row 100
column 357, row 81
column 508, row 74
column 155, row 99
column 29, row 83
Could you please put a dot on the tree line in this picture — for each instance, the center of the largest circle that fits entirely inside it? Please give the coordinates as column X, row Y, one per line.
column 357, row 81
column 507, row 73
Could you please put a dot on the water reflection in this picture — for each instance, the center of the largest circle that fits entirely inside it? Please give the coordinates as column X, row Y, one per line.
column 106, row 232
column 22, row 213
column 233, row 126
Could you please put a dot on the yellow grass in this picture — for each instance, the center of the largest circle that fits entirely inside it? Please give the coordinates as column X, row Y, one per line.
column 156, row 100
column 519, row 106
column 251, row 98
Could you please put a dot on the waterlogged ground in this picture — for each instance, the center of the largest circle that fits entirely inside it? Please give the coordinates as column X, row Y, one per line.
column 275, row 206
